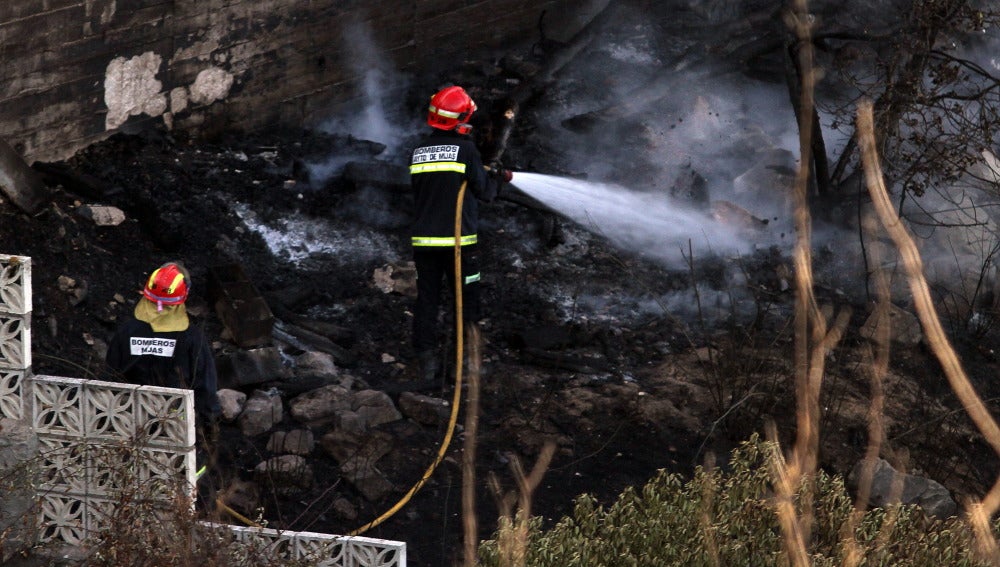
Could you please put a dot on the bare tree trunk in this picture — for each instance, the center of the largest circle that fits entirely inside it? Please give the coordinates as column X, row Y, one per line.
column 819, row 174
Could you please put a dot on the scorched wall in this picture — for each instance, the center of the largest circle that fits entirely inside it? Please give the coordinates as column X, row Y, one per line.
column 75, row 71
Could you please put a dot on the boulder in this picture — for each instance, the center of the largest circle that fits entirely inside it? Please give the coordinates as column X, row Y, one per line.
column 425, row 410
column 321, row 405
column 232, row 402
column 375, row 408
column 102, row 215
column 285, row 473
column 262, row 412
column 251, row 367
column 295, row 442
column 315, row 365
column 397, row 278
column 357, row 455
column 930, row 495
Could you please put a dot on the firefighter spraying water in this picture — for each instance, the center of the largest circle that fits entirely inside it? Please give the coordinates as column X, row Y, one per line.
column 442, row 166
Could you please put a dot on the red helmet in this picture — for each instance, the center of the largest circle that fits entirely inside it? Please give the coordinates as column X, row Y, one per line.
column 167, row 285
column 451, row 109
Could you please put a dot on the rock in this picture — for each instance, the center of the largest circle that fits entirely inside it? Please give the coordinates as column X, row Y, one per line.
column 252, row 367
column 357, row 455
column 262, row 412
column 77, row 290
column 355, row 412
column 772, row 174
column 232, row 402
column 425, row 410
column 396, row 278
column 930, row 495
column 315, row 364
column 320, row 405
column 375, row 408
column 285, row 473
column 22, row 185
column 707, row 355
column 295, row 442
column 344, row 446
column 350, row 421
column 343, row 508
column 367, row 479
column 102, row 215
column 735, row 216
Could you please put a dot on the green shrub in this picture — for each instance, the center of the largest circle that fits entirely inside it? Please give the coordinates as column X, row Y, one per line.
column 727, row 518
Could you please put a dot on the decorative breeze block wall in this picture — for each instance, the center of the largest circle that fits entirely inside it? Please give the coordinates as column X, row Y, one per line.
column 100, row 438
column 320, row 550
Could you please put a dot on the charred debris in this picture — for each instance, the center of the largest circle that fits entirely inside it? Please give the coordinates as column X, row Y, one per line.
column 298, row 248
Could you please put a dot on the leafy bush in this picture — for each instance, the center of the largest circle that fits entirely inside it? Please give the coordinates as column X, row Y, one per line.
column 727, row 518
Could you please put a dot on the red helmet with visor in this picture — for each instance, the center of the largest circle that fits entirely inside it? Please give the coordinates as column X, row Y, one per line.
column 167, row 285
column 450, row 109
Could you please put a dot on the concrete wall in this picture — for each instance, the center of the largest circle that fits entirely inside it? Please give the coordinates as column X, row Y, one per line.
column 76, row 70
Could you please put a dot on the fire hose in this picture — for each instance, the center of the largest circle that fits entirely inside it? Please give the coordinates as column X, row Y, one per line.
column 459, row 356
column 456, row 399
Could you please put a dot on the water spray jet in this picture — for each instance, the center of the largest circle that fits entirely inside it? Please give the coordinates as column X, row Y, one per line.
column 646, row 223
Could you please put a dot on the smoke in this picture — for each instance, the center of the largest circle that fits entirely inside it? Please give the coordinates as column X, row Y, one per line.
column 377, row 112
column 650, row 124
column 659, row 146
column 639, row 112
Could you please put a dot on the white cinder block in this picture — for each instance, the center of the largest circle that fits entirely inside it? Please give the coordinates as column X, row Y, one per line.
column 15, row 284
column 12, row 394
column 15, row 341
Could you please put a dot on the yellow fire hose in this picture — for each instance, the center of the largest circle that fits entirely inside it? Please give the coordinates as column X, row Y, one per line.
column 225, row 508
column 459, row 355
column 456, row 399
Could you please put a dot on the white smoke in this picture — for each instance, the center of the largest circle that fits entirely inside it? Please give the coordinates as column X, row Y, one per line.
column 377, row 112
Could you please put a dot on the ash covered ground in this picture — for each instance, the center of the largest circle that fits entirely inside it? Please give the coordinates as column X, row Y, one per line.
column 614, row 356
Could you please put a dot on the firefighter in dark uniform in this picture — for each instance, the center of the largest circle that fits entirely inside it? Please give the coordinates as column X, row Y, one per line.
column 158, row 346
column 440, row 164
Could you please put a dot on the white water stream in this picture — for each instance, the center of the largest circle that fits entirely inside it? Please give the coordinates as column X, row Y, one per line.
column 648, row 224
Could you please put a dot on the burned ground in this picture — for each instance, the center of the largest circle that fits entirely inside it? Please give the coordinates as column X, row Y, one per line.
column 610, row 355
column 578, row 351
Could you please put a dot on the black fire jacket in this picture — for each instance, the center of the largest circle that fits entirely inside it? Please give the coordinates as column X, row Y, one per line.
column 180, row 359
column 438, row 166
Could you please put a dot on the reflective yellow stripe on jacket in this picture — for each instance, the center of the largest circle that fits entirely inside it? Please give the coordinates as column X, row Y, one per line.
column 443, row 240
column 435, row 166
